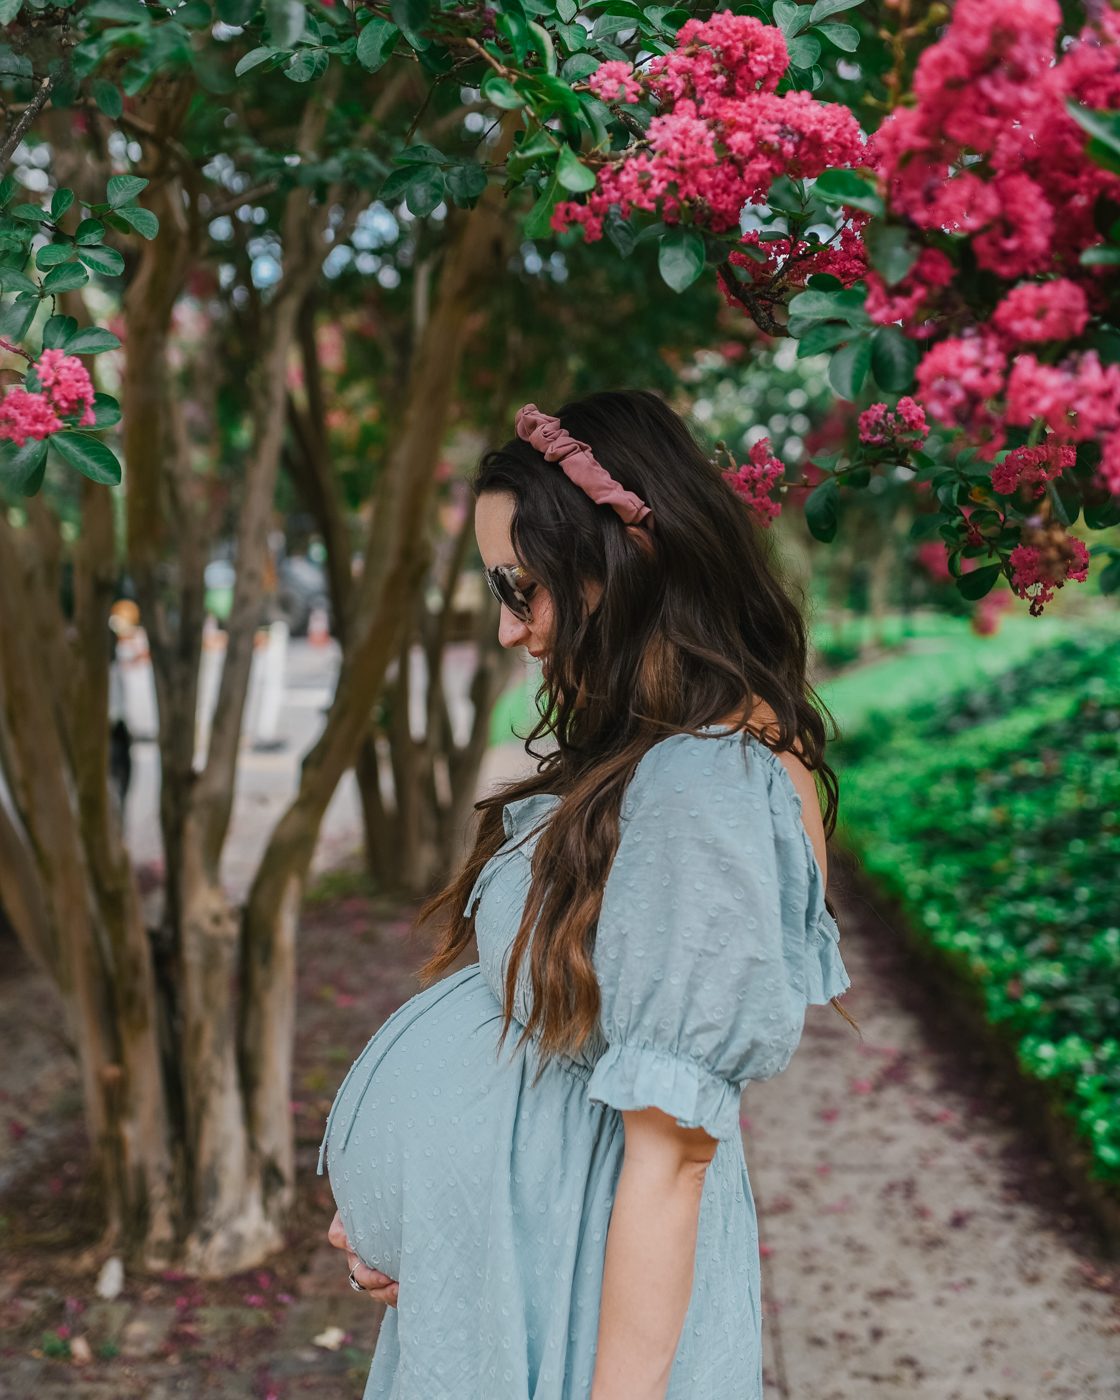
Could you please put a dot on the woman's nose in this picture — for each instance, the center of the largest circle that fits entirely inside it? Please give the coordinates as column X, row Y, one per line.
column 512, row 632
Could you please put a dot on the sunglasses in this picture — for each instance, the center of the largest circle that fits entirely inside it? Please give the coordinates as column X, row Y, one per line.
column 504, row 582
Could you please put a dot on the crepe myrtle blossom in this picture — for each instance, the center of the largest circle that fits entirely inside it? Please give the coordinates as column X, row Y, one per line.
column 958, row 375
column 1079, row 398
column 903, row 426
column 756, row 478
column 24, row 415
column 615, row 82
column 1032, row 466
column 1047, row 559
column 1040, row 311
column 722, row 134
column 65, row 392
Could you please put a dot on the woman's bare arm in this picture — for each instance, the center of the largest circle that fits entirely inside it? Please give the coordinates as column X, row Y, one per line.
column 651, row 1255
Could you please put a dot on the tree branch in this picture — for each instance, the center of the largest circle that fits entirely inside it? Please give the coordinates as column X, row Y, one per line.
column 23, row 126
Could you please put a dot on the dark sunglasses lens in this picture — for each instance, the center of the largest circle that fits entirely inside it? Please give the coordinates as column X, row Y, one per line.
column 507, row 594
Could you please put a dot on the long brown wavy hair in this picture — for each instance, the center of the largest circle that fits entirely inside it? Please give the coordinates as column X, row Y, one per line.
column 692, row 626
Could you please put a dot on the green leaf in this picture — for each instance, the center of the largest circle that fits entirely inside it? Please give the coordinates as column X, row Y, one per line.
column 106, row 410
column 1103, row 517
column 92, row 340
column 31, row 213
column 979, row 583
column 827, row 306
column 53, row 254
column 925, row 527
column 1100, row 256
column 804, row 50
column 15, row 65
column 567, row 10
column 286, row 21
column 108, row 97
column 57, row 332
column 130, row 12
column 500, row 93
column 1109, row 578
column 680, row 258
column 894, row 358
column 846, row 187
column 17, row 316
column 842, row 35
column 123, row 188
column 823, row 8
column 822, row 511
column 307, row 65
column 8, row 10
column 142, row 220
column 60, row 203
column 579, row 66
column 819, row 338
column 375, row 44
column 544, row 46
column 253, row 58
column 620, row 231
column 13, row 281
column 107, row 261
column 849, row 368
column 410, row 17
column 539, row 222
column 421, row 155
column 425, row 191
column 24, row 466
column 465, row 183
column 891, row 252
column 1102, row 126
column 8, row 188
column 790, row 19
column 89, row 456
column 572, row 173
column 67, row 278
column 89, row 232
column 527, row 152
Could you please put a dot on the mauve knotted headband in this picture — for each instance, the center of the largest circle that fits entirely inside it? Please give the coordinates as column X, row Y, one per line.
column 578, row 464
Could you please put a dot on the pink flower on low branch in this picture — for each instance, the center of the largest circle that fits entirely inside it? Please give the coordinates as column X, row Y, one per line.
column 846, row 260
column 1038, row 311
column 1109, row 473
column 754, row 481
column 904, row 426
column 67, row 384
column 1048, row 559
column 24, row 415
column 1032, row 466
column 615, row 82
column 911, row 301
column 958, row 375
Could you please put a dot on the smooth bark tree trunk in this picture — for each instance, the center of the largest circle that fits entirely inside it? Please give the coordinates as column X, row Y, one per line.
column 396, row 558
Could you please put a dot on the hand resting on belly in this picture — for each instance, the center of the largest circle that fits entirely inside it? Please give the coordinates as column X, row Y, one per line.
column 378, row 1285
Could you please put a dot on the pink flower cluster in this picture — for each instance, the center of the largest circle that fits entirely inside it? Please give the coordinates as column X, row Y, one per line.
column 24, row 415
column 615, row 82
column 989, row 148
column 1039, row 311
column 1079, row 399
column 1046, row 560
column 1032, row 466
column 754, row 481
column 958, row 376
column 722, row 135
column 904, row 426
column 67, row 391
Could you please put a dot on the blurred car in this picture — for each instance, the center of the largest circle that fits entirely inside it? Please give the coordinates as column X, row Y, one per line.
column 301, row 588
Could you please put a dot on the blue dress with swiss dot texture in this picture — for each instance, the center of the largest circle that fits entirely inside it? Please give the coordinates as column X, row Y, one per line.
column 485, row 1184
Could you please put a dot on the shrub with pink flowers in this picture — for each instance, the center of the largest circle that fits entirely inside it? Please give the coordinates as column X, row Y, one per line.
column 756, row 480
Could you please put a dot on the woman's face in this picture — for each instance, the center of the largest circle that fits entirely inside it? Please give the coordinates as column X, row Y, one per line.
column 492, row 520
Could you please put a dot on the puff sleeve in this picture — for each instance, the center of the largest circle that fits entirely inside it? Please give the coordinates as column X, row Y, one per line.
column 713, row 935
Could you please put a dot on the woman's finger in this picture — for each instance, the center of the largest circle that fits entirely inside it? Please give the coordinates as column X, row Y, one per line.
column 388, row 1295
column 337, row 1234
column 369, row 1279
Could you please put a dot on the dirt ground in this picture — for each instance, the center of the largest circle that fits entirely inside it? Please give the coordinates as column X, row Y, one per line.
column 916, row 1242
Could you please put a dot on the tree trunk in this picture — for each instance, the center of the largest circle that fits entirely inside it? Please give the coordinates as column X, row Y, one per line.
column 395, row 561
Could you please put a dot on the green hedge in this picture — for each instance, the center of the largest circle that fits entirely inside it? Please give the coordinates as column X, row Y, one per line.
column 994, row 817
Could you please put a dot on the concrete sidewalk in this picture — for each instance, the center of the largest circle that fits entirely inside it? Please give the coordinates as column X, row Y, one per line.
column 913, row 1244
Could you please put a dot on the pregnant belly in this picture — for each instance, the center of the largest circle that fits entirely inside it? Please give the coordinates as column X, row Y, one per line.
column 413, row 1140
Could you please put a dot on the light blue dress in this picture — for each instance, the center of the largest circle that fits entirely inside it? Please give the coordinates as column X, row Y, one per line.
column 487, row 1190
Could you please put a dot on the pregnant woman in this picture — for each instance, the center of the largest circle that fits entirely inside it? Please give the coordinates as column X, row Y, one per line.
column 537, row 1161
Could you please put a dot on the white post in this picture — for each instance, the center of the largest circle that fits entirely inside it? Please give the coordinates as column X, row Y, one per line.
column 273, row 667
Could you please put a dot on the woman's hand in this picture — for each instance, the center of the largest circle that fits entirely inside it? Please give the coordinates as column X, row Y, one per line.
column 379, row 1286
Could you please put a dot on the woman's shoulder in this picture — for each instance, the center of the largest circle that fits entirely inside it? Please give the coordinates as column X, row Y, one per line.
column 714, row 761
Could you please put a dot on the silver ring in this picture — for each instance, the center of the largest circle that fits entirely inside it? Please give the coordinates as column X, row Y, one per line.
column 354, row 1284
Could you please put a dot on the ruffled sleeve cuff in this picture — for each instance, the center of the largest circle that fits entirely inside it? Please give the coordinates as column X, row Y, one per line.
column 635, row 1077
column 826, row 976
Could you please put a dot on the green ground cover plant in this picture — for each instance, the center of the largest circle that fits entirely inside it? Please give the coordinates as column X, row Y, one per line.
column 993, row 816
